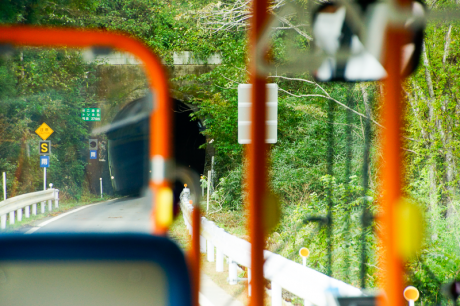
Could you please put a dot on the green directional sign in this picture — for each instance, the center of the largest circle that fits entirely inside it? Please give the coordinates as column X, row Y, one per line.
column 91, row 114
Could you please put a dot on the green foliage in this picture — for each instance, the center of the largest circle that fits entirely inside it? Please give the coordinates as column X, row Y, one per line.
column 293, row 234
column 44, row 86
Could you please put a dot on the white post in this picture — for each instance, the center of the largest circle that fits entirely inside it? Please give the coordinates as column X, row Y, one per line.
column 100, row 179
column 232, row 272
column 44, row 178
column 50, row 205
column 4, row 186
column 304, row 259
column 42, row 206
column 209, row 184
column 212, row 173
column 27, row 211
column 277, row 294
column 202, row 191
column 19, row 214
column 12, row 217
column 219, row 260
column 3, row 218
column 56, row 198
column 210, row 249
column 411, row 303
column 202, row 244
column 34, row 209
column 249, row 282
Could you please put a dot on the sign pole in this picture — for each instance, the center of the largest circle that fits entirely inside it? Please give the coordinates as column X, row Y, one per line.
column 100, row 179
column 4, row 186
column 44, row 178
column 209, row 189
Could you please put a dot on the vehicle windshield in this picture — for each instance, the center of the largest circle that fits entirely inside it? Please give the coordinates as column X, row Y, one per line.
column 75, row 121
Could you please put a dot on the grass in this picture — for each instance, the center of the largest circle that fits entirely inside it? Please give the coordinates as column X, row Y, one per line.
column 234, row 222
column 179, row 233
column 65, row 204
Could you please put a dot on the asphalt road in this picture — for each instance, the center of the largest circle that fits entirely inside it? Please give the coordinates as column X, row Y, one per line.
column 125, row 215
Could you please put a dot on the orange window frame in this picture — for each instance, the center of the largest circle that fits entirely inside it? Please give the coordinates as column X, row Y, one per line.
column 160, row 117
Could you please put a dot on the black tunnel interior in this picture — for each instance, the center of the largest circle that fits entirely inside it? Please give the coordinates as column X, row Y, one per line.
column 128, row 145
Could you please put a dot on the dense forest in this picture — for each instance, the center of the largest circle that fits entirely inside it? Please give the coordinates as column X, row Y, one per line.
column 328, row 133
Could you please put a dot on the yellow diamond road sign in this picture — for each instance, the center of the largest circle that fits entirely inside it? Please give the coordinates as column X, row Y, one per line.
column 44, row 131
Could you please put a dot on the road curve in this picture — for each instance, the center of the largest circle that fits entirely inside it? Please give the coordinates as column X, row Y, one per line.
column 124, row 215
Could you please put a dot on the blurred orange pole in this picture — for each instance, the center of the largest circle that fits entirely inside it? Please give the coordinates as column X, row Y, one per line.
column 257, row 160
column 393, row 167
column 392, row 171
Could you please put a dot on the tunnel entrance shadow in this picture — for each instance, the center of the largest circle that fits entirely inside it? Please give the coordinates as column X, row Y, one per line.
column 128, row 145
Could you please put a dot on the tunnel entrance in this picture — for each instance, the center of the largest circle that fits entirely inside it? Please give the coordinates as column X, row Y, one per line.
column 128, row 145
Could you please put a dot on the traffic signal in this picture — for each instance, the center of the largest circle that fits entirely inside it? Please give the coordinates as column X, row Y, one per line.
column 93, row 144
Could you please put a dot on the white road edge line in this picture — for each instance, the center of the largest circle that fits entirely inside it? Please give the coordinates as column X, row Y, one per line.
column 203, row 301
column 36, row 228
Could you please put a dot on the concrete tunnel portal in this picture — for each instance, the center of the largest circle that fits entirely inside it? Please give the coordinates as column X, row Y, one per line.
column 127, row 148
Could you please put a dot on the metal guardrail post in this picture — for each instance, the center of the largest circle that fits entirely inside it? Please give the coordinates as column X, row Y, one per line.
column 277, row 294
column 232, row 272
column 19, row 214
column 12, row 217
column 27, row 211
column 219, row 258
column 50, row 205
column 42, row 206
column 3, row 221
column 56, row 198
column 34, row 209
column 210, row 250
column 202, row 244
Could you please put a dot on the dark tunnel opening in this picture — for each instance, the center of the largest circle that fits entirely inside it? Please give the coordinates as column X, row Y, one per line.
column 128, row 145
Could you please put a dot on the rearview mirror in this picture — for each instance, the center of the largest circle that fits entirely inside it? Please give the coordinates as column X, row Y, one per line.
column 351, row 39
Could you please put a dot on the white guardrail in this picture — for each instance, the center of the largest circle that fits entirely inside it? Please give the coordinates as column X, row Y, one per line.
column 16, row 204
column 303, row 282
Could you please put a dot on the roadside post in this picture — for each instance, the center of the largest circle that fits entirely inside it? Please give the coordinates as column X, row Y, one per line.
column 212, row 174
column 50, row 203
column 3, row 218
column 4, row 186
column 100, row 179
column 209, row 185
column 411, row 294
column 304, row 253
